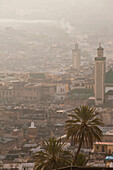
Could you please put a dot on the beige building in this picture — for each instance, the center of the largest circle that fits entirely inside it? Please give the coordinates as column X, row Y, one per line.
column 31, row 92
column 99, row 76
column 76, row 57
column 106, row 147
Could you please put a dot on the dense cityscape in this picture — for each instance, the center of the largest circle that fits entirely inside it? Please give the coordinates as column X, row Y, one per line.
column 56, row 85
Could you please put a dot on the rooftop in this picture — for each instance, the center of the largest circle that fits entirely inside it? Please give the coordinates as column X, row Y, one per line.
column 110, row 92
column 28, row 145
column 37, row 75
column 109, row 77
column 103, row 143
column 5, row 140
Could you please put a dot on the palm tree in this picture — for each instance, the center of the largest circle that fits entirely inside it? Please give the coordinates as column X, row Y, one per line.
column 82, row 160
column 83, row 127
column 52, row 156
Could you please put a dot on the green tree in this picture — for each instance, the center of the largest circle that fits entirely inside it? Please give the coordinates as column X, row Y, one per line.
column 52, row 156
column 83, row 127
column 82, row 160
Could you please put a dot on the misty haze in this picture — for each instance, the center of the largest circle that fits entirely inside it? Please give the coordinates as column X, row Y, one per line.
column 56, row 84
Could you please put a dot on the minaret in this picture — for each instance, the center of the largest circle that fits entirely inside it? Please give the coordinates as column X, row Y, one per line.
column 76, row 57
column 100, row 62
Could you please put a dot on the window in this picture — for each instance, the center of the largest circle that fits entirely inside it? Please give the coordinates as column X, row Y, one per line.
column 97, row 147
column 109, row 150
column 103, row 150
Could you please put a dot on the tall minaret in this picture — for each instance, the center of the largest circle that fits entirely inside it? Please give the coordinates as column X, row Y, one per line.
column 76, row 57
column 100, row 62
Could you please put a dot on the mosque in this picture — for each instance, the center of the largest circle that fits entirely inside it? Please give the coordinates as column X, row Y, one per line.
column 103, row 80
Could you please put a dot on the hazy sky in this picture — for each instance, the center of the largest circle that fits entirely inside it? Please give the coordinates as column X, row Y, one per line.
column 56, row 4
column 36, row 3
column 73, row 11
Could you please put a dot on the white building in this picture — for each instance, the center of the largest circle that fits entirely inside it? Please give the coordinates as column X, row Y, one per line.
column 61, row 91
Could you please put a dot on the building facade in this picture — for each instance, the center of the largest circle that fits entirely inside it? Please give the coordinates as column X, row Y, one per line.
column 100, row 61
column 106, row 147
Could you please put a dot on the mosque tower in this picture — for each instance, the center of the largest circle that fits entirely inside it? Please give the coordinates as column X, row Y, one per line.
column 76, row 57
column 100, row 62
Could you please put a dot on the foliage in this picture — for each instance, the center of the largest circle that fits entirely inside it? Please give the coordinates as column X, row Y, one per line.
column 83, row 127
column 82, row 160
column 52, row 156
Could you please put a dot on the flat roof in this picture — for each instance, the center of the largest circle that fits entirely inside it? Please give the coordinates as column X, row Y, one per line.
column 103, row 143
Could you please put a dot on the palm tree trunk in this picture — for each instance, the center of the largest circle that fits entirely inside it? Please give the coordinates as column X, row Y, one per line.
column 79, row 147
column 56, row 168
